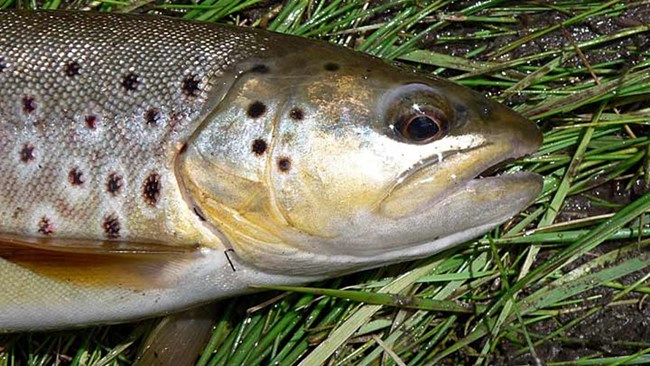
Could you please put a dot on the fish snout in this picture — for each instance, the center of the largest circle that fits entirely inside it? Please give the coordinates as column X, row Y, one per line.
column 522, row 133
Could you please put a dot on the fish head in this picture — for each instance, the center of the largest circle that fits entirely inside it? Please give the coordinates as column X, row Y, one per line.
column 362, row 164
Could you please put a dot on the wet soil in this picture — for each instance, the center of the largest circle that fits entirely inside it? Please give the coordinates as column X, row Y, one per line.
column 619, row 327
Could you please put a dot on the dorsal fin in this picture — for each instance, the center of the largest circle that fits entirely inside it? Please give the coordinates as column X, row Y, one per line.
column 101, row 263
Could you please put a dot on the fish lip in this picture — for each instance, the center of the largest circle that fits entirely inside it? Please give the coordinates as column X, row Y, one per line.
column 424, row 175
column 490, row 168
column 427, row 163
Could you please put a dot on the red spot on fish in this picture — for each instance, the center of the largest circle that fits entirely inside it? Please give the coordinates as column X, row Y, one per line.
column 27, row 153
column 114, row 184
column 45, row 226
column 112, row 226
column 91, row 121
column 75, row 176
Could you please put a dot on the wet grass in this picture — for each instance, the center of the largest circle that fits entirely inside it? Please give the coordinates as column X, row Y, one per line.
column 519, row 295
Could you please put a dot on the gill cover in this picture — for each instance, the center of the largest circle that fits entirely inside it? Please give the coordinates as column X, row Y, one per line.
column 329, row 162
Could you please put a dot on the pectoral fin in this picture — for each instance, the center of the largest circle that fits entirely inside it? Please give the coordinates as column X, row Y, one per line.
column 178, row 339
column 99, row 264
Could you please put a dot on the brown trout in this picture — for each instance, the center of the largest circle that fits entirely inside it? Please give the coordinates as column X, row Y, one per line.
column 152, row 164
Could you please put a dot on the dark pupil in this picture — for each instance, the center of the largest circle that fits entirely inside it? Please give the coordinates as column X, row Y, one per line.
column 421, row 128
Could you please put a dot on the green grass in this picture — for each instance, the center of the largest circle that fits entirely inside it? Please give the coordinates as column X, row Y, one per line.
column 507, row 298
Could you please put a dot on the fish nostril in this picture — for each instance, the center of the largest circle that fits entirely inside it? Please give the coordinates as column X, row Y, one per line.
column 260, row 69
column 331, row 66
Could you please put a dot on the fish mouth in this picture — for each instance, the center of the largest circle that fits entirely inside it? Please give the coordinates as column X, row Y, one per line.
column 431, row 181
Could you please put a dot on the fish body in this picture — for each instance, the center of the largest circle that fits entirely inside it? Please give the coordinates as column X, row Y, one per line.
column 151, row 164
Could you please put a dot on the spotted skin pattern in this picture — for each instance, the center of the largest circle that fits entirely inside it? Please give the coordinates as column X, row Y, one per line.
column 90, row 127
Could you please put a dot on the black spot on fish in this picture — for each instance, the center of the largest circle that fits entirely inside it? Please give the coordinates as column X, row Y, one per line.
column 199, row 213
column 297, row 114
column 29, row 104
column 112, row 226
column 130, row 82
column 45, row 226
column 256, row 109
column 3, row 65
column 260, row 69
column 91, row 121
column 183, row 149
column 27, row 153
column 114, row 184
column 284, row 164
column 259, row 147
column 191, row 85
column 75, row 177
column 72, row 68
column 331, row 66
column 151, row 189
column 152, row 116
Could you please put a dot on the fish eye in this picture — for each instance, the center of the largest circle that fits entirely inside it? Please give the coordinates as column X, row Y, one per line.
column 421, row 125
column 416, row 114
